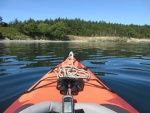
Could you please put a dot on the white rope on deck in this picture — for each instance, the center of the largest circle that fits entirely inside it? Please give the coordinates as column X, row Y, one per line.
column 71, row 71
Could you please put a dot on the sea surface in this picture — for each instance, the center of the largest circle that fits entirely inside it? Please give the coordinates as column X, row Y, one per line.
column 124, row 67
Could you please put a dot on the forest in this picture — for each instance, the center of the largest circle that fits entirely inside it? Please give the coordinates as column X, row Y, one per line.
column 60, row 28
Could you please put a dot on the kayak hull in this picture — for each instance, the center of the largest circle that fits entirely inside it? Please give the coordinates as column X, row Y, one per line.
column 94, row 91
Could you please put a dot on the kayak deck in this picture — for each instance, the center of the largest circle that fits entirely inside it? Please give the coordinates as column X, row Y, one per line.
column 94, row 91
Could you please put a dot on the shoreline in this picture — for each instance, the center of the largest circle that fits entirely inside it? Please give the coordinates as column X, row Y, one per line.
column 37, row 41
column 81, row 39
column 138, row 40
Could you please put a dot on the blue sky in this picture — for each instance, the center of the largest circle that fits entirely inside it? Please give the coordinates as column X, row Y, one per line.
column 114, row 11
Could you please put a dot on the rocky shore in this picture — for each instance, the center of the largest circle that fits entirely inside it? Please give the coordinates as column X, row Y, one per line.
column 107, row 39
column 72, row 38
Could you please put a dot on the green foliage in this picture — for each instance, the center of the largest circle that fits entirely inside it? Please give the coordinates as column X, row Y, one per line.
column 30, row 28
column 43, row 28
column 11, row 33
column 61, row 28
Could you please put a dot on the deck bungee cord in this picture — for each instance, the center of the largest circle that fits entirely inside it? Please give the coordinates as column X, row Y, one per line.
column 69, row 73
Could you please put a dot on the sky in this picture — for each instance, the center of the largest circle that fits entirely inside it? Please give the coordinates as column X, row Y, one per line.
column 113, row 11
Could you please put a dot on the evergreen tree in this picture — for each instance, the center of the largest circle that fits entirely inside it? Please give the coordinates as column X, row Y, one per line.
column 1, row 19
column 60, row 28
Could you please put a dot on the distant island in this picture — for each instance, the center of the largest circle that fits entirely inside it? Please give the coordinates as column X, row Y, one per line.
column 72, row 29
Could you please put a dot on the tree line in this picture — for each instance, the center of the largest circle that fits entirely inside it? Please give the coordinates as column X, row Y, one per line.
column 59, row 28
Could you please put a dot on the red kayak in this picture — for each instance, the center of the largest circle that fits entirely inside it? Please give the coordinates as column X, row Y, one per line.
column 70, row 87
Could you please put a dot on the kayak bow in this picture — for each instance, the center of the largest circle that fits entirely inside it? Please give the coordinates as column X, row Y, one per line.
column 90, row 94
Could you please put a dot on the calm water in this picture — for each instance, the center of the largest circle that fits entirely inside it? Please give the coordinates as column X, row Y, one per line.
column 125, row 67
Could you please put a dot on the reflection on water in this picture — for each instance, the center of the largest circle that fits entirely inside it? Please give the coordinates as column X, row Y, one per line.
column 125, row 67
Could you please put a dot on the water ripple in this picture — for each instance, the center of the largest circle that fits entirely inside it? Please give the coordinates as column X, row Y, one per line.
column 124, row 67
